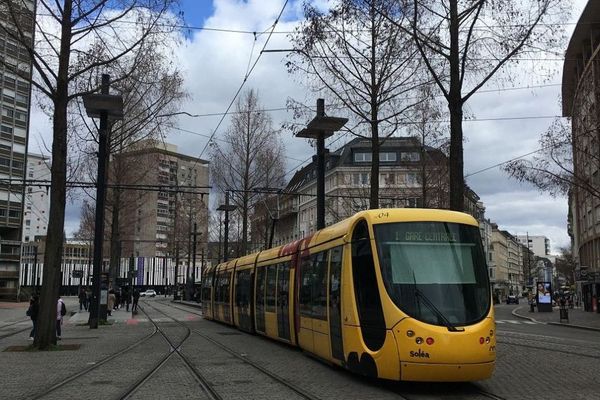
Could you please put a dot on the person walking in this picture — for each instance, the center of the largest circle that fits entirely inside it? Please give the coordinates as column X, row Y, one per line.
column 111, row 302
column 82, row 299
column 127, row 296
column 32, row 312
column 61, row 311
column 136, row 298
column 88, row 293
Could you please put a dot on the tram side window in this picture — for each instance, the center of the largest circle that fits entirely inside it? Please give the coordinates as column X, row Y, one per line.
column 242, row 287
column 225, row 287
column 217, row 287
column 260, row 288
column 313, row 289
column 305, row 296
column 271, row 284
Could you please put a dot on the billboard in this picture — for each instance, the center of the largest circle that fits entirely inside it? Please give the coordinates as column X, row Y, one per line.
column 544, row 296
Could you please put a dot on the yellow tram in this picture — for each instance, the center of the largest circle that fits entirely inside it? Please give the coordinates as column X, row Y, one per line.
column 400, row 294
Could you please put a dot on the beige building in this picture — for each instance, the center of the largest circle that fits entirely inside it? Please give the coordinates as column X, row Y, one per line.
column 404, row 165
column 157, row 219
column 507, row 257
column 15, row 90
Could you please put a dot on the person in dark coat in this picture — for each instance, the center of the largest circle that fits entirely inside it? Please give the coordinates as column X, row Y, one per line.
column 33, row 311
column 82, row 299
column 136, row 298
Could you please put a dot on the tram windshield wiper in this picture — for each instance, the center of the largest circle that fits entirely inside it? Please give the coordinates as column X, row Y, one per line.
column 419, row 295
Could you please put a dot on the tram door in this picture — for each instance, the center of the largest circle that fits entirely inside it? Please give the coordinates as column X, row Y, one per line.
column 335, row 306
column 243, row 296
column 283, row 304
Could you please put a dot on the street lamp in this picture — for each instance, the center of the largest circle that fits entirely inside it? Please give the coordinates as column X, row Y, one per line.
column 319, row 128
column 101, row 106
column 227, row 208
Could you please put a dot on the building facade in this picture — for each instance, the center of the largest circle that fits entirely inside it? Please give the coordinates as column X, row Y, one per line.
column 410, row 175
column 507, row 257
column 157, row 219
column 15, row 74
column 581, row 102
column 539, row 245
column 37, row 199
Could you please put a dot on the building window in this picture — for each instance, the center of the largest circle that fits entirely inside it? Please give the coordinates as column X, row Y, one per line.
column 27, row 223
column 362, row 157
column 387, row 156
column 361, row 178
column 410, row 156
column 388, row 178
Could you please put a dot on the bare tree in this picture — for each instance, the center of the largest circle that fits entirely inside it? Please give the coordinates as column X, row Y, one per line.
column 251, row 158
column 552, row 168
column 61, row 56
column 354, row 54
column 466, row 43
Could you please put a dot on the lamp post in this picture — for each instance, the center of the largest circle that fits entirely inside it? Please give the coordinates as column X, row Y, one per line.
column 320, row 128
column 227, row 208
column 101, row 106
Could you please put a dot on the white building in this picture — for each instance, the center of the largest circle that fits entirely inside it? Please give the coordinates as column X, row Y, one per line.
column 540, row 245
column 37, row 199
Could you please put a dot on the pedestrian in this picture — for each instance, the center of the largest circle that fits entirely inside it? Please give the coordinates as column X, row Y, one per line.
column 82, row 299
column 88, row 292
column 32, row 312
column 127, row 295
column 136, row 298
column 61, row 311
column 111, row 302
column 117, row 299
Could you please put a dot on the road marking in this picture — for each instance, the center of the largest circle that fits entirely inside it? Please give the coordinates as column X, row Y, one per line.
column 512, row 321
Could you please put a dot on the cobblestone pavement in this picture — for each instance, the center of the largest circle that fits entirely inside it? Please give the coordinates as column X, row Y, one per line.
column 576, row 316
column 529, row 366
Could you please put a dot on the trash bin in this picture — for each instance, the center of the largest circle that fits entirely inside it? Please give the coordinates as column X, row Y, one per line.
column 564, row 314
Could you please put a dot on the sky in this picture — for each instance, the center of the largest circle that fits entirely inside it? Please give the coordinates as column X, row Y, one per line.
column 214, row 63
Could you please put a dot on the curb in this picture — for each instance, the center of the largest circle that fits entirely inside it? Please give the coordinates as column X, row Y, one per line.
column 587, row 328
column 516, row 314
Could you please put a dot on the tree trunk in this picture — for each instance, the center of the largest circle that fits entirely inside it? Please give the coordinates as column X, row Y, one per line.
column 374, row 192
column 46, row 326
column 457, row 183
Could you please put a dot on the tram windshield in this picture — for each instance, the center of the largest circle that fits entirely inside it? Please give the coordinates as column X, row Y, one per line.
column 435, row 271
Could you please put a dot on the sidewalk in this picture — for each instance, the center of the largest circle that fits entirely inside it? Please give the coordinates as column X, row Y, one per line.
column 577, row 317
column 118, row 316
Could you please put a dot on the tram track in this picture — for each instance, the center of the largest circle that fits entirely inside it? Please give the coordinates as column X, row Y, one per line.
column 64, row 382
column 553, row 350
column 175, row 349
column 469, row 391
column 298, row 390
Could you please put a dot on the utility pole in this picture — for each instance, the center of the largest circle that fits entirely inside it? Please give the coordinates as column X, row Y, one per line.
column 189, row 253
column 320, row 128
column 101, row 105
column 194, row 256
column 227, row 208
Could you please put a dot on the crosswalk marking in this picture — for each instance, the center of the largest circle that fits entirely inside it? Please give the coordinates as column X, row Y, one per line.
column 512, row 321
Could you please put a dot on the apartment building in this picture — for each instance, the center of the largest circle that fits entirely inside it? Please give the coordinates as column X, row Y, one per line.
column 580, row 102
column 507, row 257
column 37, row 198
column 411, row 175
column 15, row 73
column 166, row 194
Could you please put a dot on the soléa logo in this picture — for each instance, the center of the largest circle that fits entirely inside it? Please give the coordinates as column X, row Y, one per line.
column 419, row 354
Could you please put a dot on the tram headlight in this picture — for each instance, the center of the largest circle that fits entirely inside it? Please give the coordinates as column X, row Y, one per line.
column 481, row 340
column 491, row 333
column 410, row 333
column 419, row 340
column 487, row 339
column 429, row 341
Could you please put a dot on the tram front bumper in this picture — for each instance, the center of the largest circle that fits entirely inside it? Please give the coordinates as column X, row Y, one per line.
column 446, row 372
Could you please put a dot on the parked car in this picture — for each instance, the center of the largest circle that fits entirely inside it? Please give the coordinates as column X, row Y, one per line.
column 512, row 299
column 149, row 293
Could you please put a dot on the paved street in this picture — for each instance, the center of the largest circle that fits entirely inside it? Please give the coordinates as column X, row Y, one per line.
column 535, row 361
